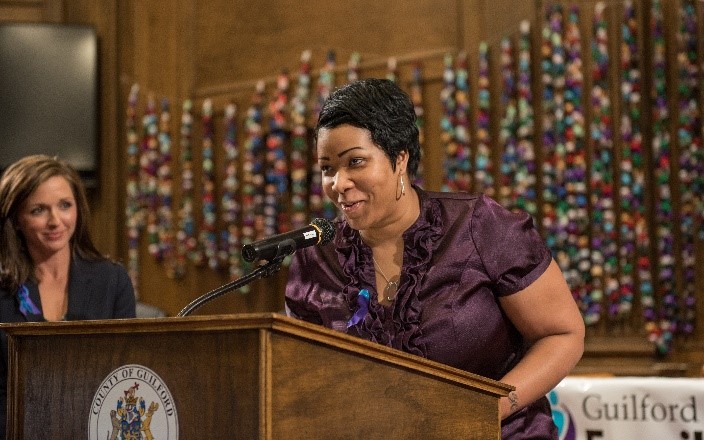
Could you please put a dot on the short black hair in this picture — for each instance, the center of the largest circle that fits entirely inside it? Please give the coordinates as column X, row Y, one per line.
column 381, row 107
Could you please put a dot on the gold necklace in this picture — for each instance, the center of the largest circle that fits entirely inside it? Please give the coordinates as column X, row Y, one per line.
column 391, row 286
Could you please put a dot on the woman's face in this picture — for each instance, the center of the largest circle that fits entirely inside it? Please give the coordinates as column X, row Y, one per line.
column 47, row 219
column 357, row 176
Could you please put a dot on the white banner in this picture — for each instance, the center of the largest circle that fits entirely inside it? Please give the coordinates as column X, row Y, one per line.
column 624, row 408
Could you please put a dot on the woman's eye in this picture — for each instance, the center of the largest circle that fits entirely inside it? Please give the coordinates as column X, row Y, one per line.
column 356, row 161
column 66, row 205
column 36, row 211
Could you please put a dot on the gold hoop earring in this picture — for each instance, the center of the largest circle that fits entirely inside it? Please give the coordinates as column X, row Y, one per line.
column 403, row 190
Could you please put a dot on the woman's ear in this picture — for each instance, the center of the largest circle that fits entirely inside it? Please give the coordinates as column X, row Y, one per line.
column 402, row 160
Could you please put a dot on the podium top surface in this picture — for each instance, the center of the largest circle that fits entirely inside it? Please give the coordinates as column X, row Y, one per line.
column 271, row 322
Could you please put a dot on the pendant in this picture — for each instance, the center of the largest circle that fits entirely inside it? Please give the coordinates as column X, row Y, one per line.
column 390, row 290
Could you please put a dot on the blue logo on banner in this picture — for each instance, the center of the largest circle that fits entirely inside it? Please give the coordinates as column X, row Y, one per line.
column 562, row 418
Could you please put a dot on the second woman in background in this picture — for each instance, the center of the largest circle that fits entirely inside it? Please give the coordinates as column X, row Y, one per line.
column 49, row 268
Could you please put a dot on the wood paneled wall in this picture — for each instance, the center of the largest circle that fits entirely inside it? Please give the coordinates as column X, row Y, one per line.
column 219, row 49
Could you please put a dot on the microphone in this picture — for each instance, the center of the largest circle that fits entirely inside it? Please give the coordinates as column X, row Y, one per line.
column 320, row 231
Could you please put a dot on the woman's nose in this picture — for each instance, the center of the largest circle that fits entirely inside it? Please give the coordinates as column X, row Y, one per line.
column 53, row 217
column 340, row 182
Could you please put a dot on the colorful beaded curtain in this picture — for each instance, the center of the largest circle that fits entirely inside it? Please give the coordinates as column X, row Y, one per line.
column 576, row 131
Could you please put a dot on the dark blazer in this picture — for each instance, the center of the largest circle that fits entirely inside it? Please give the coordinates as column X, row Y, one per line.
column 96, row 290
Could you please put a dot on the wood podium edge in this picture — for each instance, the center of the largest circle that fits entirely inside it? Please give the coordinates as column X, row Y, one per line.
column 266, row 396
column 389, row 355
column 269, row 321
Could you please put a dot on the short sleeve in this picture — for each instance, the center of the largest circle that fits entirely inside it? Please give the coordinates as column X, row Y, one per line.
column 511, row 249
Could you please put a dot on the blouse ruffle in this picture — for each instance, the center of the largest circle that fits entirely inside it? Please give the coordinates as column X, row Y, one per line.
column 402, row 331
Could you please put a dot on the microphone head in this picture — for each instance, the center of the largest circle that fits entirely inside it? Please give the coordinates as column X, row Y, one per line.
column 327, row 230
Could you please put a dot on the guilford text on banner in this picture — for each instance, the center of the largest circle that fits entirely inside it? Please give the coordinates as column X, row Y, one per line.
column 642, row 408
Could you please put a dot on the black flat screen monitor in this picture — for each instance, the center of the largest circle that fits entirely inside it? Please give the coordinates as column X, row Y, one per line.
column 49, row 94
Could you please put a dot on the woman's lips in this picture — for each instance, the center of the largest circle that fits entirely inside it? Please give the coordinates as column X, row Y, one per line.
column 348, row 207
column 54, row 235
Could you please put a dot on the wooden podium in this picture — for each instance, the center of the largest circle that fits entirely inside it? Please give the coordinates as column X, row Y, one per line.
column 249, row 376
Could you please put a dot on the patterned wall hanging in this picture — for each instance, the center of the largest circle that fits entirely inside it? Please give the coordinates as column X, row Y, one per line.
column 606, row 259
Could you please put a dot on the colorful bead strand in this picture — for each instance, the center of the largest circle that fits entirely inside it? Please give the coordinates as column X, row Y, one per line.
column 691, row 158
column 276, row 219
column 207, row 236
column 133, row 208
column 253, row 170
column 553, row 80
column 149, row 164
column 353, row 67
column 508, row 168
column 517, row 167
column 577, row 228
column 483, row 164
column 662, row 177
column 299, row 145
column 526, row 197
column 417, row 99
column 447, row 122
column 392, row 69
column 604, row 269
column 457, row 163
column 186, row 242
column 634, row 231
column 164, row 190
column 319, row 205
column 229, row 255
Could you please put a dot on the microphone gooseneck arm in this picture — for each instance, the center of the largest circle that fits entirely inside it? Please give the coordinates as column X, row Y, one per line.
column 263, row 271
column 274, row 250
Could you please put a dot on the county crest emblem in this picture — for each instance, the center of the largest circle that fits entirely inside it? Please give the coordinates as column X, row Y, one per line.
column 120, row 412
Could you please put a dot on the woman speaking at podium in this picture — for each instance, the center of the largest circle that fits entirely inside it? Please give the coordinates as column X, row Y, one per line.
column 452, row 277
column 49, row 268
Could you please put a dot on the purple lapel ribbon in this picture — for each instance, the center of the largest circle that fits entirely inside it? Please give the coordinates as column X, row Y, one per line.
column 27, row 307
column 362, row 310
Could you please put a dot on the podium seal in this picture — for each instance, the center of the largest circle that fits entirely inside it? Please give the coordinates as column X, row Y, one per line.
column 133, row 402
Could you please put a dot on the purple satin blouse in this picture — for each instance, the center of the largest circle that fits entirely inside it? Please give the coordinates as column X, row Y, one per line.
column 461, row 254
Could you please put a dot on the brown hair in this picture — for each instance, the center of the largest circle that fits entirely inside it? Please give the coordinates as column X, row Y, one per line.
column 18, row 182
